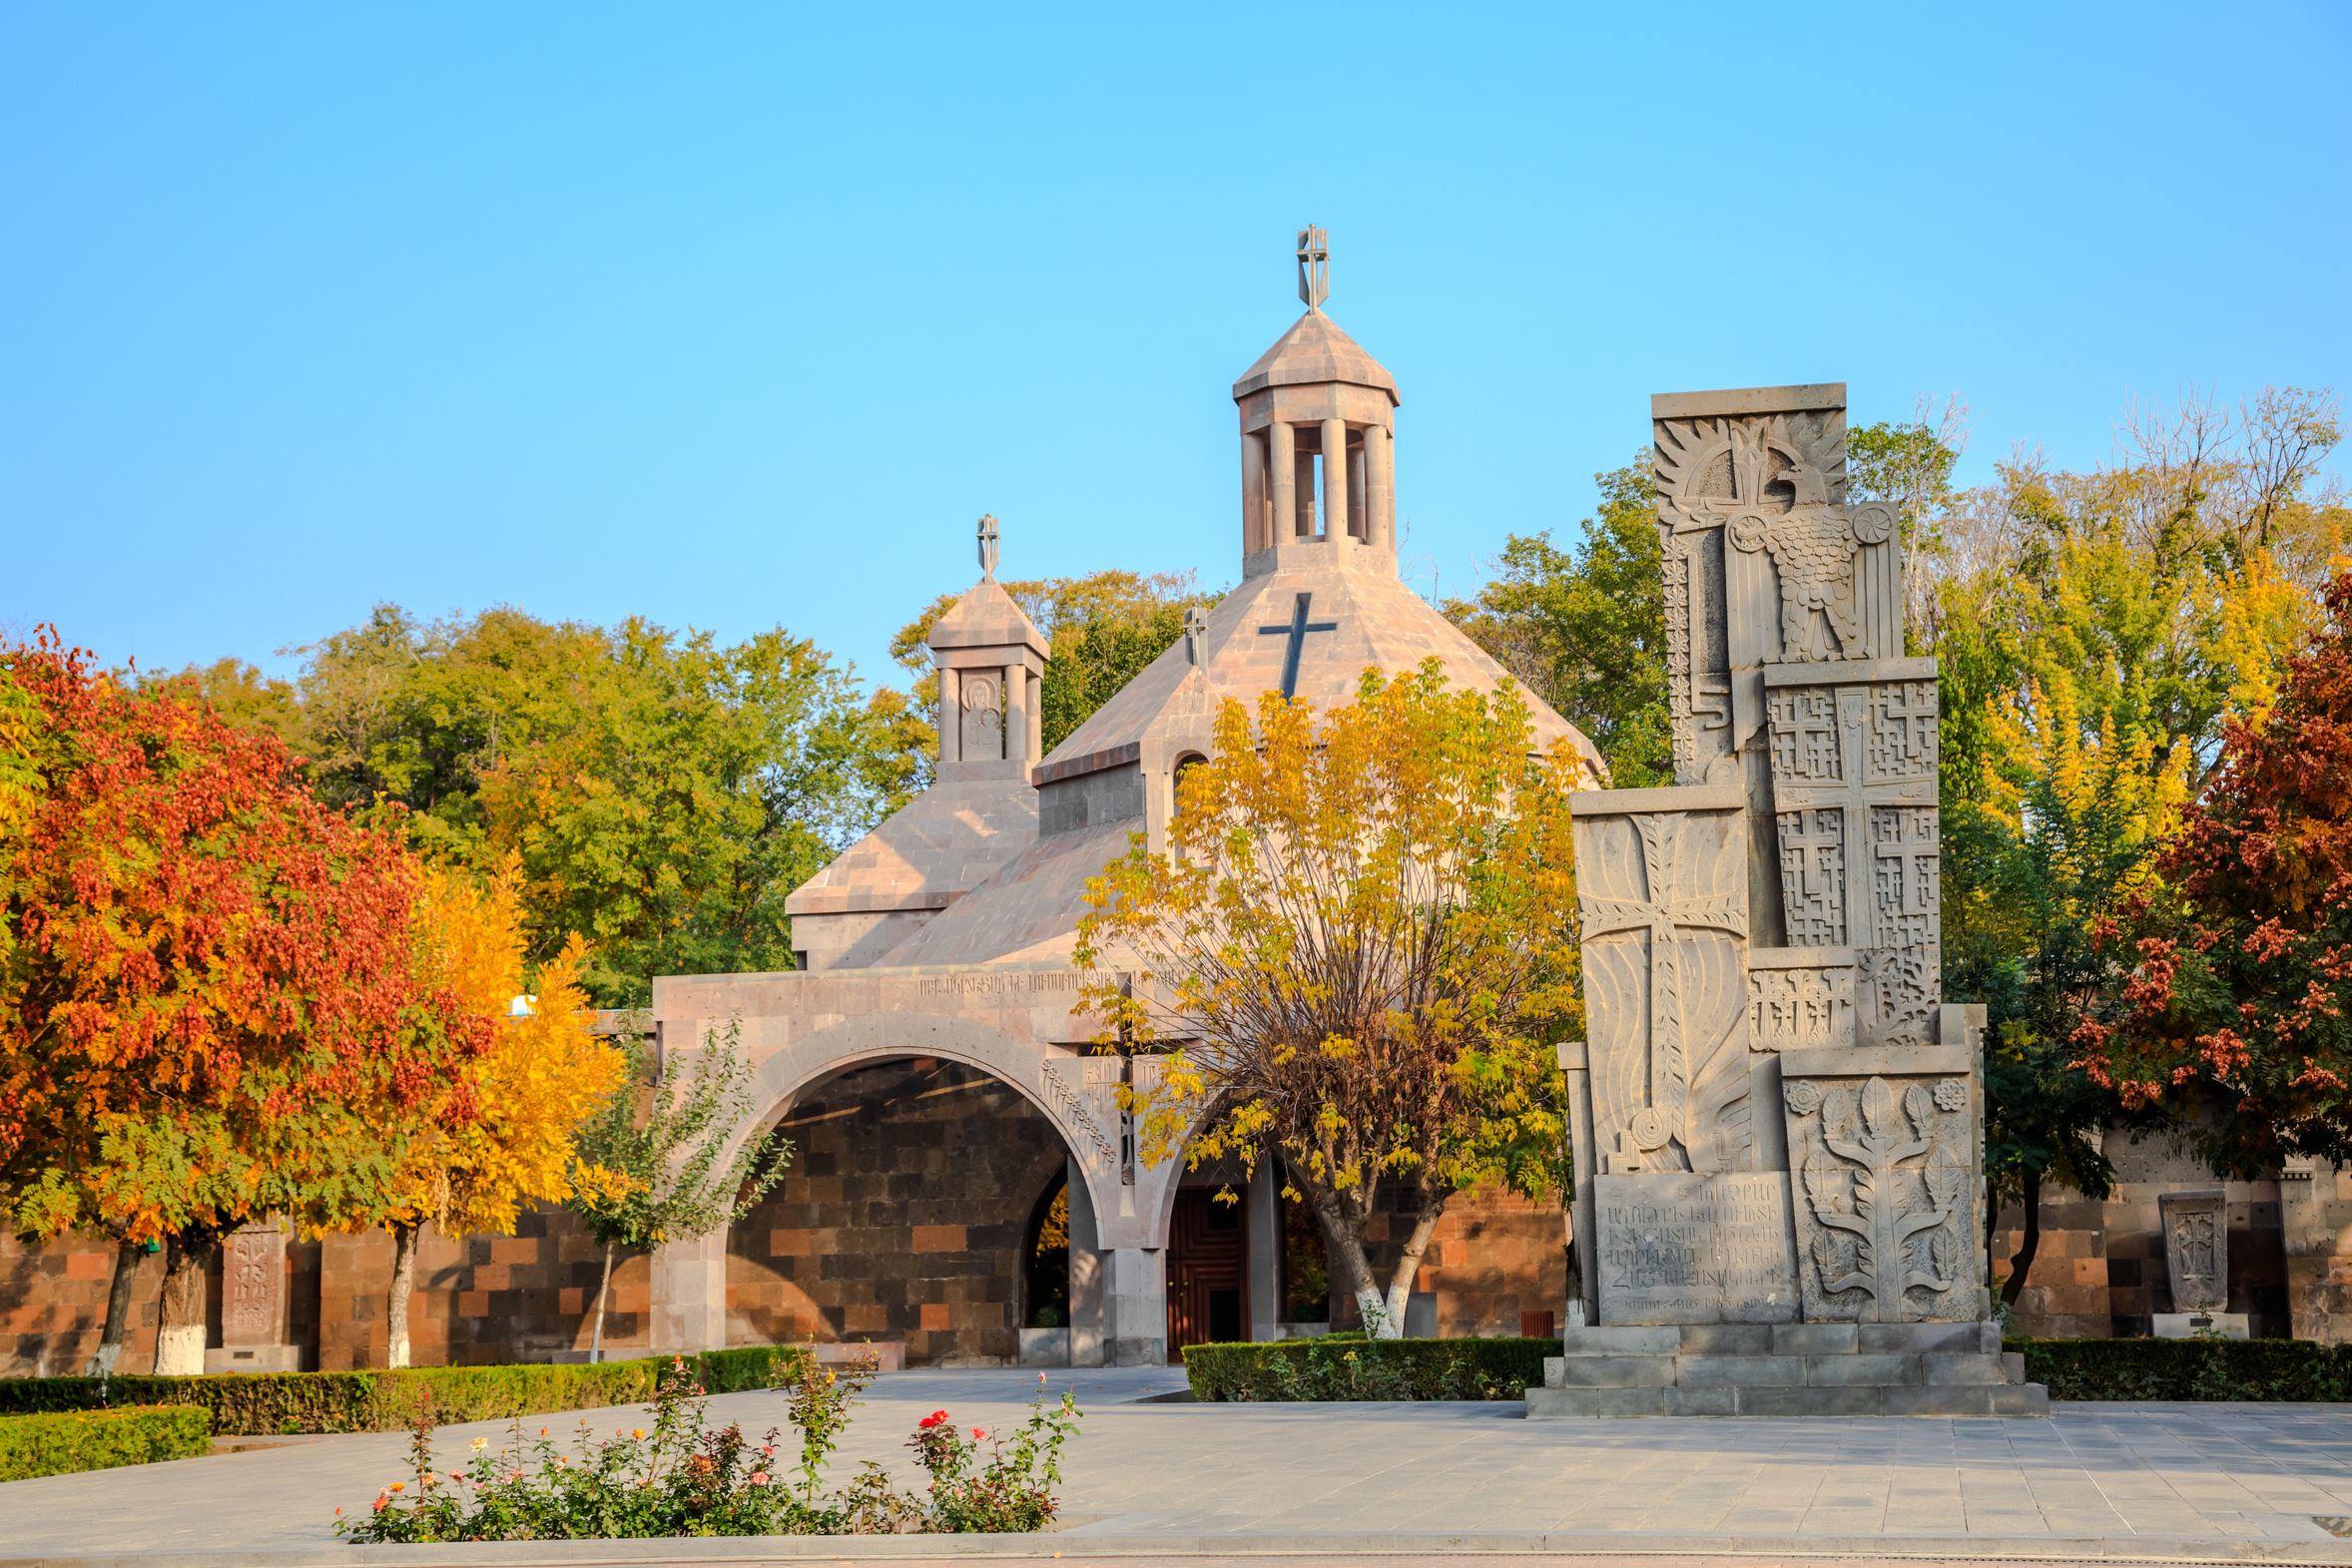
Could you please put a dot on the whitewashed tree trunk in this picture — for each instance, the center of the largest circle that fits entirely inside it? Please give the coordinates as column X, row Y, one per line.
column 179, row 1336
column 604, row 1289
column 396, row 1297
column 128, row 1256
column 1416, row 1246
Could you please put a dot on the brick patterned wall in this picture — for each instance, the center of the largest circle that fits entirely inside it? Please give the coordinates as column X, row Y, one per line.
column 53, row 1306
column 901, row 1216
column 2317, row 1204
column 1494, row 1258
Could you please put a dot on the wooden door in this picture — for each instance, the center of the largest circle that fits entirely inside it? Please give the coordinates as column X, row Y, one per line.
column 1208, row 1272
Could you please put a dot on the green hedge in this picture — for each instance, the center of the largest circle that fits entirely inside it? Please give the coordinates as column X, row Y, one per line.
column 59, row 1442
column 263, row 1404
column 1357, row 1369
column 2290, row 1369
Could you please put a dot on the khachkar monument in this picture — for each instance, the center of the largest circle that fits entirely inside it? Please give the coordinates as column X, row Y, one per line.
column 1778, row 1123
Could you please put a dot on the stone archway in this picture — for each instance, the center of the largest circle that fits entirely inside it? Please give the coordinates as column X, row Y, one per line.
column 1117, row 1285
column 903, row 1218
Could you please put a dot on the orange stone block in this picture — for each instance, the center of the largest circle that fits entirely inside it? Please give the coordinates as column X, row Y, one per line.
column 938, row 1239
column 88, row 1266
column 571, row 1301
column 934, row 1314
column 473, row 1304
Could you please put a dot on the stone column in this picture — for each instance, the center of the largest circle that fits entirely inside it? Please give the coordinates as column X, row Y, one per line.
column 1380, row 522
column 1086, row 1345
column 1036, row 687
column 689, row 1296
column 1016, row 711
column 1135, row 1307
column 1357, row 485
column 1254, row 527
column 950, row 716
column 1263, row 1205
column 1282, row 457
column 1334, row 479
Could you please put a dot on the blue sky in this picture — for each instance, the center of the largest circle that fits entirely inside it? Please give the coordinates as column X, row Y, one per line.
column 738, row 315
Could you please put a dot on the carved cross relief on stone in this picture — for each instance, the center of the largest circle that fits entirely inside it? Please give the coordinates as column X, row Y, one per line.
column 1665, row 900
column 1853, row 752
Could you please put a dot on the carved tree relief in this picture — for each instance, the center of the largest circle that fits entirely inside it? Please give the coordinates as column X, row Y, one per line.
column 1883, row 1219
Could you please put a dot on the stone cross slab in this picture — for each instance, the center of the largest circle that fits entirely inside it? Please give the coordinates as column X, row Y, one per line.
column 1853, row 758
column 1662, row 884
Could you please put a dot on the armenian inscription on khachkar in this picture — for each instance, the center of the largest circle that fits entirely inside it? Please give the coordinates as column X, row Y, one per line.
column 1777, row 1120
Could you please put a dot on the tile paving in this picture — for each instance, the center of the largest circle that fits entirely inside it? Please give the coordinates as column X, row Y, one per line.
column 2212, row 1473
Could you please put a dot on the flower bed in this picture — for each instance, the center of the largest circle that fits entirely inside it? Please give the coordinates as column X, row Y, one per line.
column 681, row 1479
column 2288, row 1369
column 58, row 1442
column 266, row 1403
column 1341, row 1366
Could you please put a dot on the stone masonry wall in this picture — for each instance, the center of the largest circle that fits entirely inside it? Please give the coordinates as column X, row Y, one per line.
column 2099, row 1272
column 1493, row 1260
column 901, row 1216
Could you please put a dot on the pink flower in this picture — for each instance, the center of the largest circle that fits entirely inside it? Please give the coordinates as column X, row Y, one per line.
column 758, row 1477
column 979, row 1434
column 935, row 1418
column 767, row 1451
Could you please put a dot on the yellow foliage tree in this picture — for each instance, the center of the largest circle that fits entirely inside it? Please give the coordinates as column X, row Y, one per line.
column 1362, row 947
column 540, row 1073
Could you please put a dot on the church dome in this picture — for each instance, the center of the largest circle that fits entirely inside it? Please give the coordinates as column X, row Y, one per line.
column 1313, row 352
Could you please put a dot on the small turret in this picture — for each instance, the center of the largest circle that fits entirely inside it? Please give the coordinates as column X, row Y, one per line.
column 991, row 662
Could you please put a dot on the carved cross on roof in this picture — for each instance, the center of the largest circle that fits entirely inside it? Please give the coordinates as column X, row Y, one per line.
column 1196, row 636
column 1297, row 630
column 1314, row 267
column 987, row 537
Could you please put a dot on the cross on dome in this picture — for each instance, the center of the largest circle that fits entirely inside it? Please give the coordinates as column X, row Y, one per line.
column 1314, row 267
column 987, row 537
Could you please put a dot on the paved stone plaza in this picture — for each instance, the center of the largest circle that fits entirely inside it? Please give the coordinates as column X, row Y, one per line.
column 2093, row 1479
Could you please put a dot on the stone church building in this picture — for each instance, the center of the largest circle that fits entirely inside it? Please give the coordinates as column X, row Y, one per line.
column 964, row 1187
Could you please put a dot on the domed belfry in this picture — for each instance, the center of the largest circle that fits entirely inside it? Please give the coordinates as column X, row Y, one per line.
column 1318, row 440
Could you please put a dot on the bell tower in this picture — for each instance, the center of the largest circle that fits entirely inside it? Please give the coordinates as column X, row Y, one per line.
column 990, row 658
column 1318, row 443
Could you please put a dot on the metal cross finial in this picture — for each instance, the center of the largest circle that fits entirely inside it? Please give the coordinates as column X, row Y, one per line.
column 1196, row 636
column 1314, row 267
column 988, row 535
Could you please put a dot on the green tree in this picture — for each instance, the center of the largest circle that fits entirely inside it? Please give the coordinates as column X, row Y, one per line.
column 664, row 793
column 1584, row 628
column 1102, row 629
column 665, row 1136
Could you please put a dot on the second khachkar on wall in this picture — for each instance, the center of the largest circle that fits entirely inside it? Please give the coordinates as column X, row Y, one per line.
column 1777, row 1119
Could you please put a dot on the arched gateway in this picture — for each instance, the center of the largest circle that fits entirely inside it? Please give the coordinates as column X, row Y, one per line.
column 946, row 932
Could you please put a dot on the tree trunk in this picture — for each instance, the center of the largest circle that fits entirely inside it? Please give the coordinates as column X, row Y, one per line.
column 396, row 1297
column 1408, row 1266
column 604, row 1290
column 2029, row 1239
column 1343, row 1245
column 1992, row 1222
column 128, row 1256
column 179, row 1336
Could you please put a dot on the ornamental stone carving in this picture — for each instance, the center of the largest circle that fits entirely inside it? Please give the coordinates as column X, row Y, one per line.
column 2196, row 1247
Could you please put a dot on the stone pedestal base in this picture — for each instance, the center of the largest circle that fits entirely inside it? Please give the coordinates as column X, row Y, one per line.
column 2192, row 1326
column 255, row 1359
column 1787, row 1370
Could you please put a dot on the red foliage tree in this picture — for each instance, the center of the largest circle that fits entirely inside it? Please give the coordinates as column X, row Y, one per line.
column 2235, row 1007
column 208, row 1003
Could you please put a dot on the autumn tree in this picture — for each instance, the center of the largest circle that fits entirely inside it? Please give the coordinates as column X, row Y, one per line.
column 1102, row 628
column 207, row 1009
column 1359, row 951
column 2234, row 1015
column 536, row 1073
column 2092, row 660
column 664, row 793
column 660, row 1148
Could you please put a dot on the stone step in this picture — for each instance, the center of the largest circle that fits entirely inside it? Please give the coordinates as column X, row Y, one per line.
column 1782, row 1338
column 1852, row 1370
column 1728, row 1400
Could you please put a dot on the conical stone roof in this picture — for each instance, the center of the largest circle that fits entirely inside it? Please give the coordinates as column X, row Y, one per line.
column 1312, row 352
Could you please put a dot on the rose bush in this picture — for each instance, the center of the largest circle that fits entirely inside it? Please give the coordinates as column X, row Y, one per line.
column 685, row 1478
